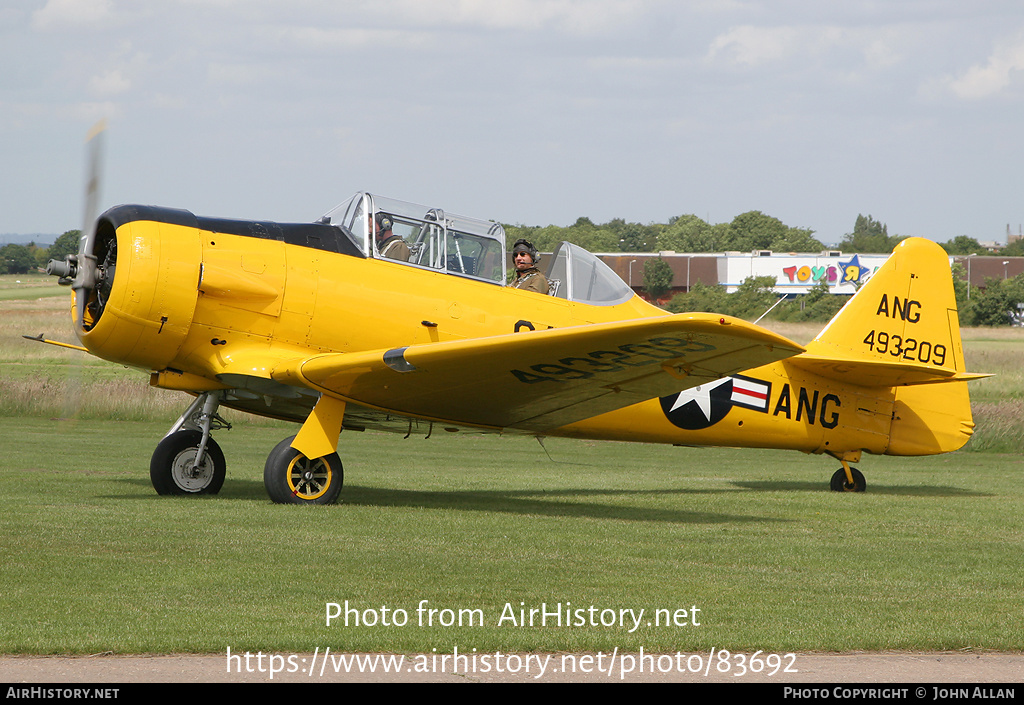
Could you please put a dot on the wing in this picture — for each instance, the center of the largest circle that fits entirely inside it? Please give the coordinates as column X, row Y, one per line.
column 539, row 380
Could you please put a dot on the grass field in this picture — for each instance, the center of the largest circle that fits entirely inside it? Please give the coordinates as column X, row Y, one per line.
column 93, row 561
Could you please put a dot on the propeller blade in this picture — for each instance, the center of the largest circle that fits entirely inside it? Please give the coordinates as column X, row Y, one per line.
column 85, row 275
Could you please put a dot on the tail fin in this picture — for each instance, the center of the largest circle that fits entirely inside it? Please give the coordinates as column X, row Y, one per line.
column 901, row 330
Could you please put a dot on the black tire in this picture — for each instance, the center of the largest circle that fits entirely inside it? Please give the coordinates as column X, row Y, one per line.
column 171, row 465
column 292, row 478
column 839, row 483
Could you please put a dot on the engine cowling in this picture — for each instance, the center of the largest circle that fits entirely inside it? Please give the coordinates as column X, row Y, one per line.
column 141, row 307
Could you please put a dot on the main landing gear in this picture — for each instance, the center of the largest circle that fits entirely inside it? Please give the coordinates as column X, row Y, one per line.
column 848, row 479
column 292, row 478
column 188, row 462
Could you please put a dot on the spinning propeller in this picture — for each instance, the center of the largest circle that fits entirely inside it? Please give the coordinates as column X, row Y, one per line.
column 89, row 278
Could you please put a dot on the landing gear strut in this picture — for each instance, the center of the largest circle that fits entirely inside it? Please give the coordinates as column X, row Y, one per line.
column 177, row 469
column 188, row 460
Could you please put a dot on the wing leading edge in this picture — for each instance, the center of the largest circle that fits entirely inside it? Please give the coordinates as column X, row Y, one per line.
column 540, row 380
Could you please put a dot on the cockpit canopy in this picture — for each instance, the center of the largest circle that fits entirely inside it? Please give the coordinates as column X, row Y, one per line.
column 577, row 275
column 436, row 240
column 468, row 247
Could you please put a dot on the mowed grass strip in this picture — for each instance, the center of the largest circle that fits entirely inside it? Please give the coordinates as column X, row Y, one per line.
column 92, row 560
column 30, row 287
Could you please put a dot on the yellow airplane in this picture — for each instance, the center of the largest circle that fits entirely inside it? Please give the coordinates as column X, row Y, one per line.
column 310, row 323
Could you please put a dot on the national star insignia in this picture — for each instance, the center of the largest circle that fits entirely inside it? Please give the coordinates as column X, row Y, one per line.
column 700, row 394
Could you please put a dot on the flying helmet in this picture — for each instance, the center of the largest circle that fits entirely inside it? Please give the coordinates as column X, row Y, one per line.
column 526, row 246
column 384, row 221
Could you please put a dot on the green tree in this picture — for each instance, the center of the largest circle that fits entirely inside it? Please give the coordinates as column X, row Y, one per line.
column 797, row 240
column 962, row 245
column 707, row 298
column 869, row 235
column 544, row 239
column 1013, row 249
column 961, row 288
column 16, row 259
column 583, row 233
column 688, row 233
column 754, row 230
column 590, row 237
column 998, row 304
column 633, row 237
column 753, row 297
column 818, row 305
column 657, row 278
column 41, row 256
column 66, row 244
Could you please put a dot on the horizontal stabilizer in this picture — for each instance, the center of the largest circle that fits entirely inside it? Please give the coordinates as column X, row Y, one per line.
column 879, row 373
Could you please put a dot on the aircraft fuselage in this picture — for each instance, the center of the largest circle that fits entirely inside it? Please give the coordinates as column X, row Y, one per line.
column 203, row 305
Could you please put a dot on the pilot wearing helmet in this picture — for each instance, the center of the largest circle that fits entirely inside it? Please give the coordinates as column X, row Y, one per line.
column 525, row 258
column 389, row 245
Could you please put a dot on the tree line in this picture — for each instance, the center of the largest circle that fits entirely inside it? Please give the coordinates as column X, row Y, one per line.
column 746, row 232
column 21, row 259
column 686, row 233
column 755, row 296
column 999, row 303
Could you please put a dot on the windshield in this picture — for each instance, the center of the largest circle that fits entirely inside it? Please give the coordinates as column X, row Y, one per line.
column 350, row 216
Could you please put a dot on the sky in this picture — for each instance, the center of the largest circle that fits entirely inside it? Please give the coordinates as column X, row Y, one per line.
column 530, row 112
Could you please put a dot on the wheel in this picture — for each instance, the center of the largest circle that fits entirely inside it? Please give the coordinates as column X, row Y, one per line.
column 839, row 483
column 292, row 478
column 170, row 468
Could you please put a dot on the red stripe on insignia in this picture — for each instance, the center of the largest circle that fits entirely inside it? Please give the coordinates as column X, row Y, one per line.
column 750, row 393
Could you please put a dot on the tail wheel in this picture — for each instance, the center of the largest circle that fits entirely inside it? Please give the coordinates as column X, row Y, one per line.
column 172, row 469
column 292, row 478
column 841, row 484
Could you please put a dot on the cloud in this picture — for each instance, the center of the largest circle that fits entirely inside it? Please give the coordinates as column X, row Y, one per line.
column 750, row 46
column 343, row 38
column 57, row 13
column 110, row 82
column 573, row 16
column 994, row 76
column 91, row 111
